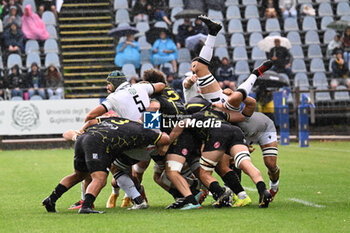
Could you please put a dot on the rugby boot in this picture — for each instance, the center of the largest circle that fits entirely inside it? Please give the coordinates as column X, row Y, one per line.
column 49, row 205
column 225, row 200
column 126, row 202
column 265, row 199
column 143, row 205
column 191, row 206
column 78, row 205
column 89, row 211
column 178, row 204
column 213, row 27
column 240, row 202
column 273, row 193
column 201, row 195
column 112, row 200
column 266, row 65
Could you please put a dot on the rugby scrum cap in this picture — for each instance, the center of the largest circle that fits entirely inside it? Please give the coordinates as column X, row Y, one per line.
column 116, row 77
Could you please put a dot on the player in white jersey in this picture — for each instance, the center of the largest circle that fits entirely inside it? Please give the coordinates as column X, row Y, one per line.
column 128, row 101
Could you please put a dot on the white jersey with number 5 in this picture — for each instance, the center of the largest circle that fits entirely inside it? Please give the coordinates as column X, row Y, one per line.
column 129, row 101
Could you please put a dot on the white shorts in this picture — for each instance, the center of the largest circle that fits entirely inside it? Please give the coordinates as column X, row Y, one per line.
column 264, row 138
column 215, row 97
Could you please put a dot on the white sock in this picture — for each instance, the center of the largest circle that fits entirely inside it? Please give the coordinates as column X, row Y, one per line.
column 207, row 50
column 126, row 183
column 248, row 84
column 115, row 191
column 242, row 195
column 83, row 190
column 274, row 186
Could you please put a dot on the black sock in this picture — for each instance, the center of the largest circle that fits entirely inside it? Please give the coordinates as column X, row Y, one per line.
column 57, row 192
column 256, row 72
column 261, row 187
column 191, row 199
column 216, row 189
column 194, row 189
column 238, row 172
column 175, row 193
column 138, row 200
column 231, row 180
column 89, row 200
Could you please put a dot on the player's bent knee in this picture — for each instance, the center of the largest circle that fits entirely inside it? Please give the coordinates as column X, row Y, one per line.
column 207, row 164
column 174, row 166
column 241, row 156
column 138, row 169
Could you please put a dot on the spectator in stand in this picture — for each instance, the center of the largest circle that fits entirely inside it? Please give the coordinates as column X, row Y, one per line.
column 199, row 27
column 6, row 7
column 36, row 81
column 340, row 71
column 346, row 45
column 159, row 15
column 128, row 52
column 195, row 4
column 142, row 10
column 184, row 30
column 175, row 83
column 308, row 10
column 16, row 82
column 14, row 39
column 281, row 58
column 164, row 50
column 46, row 6
column 12, row 17
column 3, row 85
column 54, row 81
column 335, row 44
column 225, row 75
column 218, row 5
column 288, row 8
column 270, row 9
column 32, row 26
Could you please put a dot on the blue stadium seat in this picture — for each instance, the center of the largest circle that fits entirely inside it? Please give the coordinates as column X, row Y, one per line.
column 291, row 24
column 241, row 79
column 249, row 2
column 343, row 95
column 176, row 25
column 145, row 66
column 175, row 3
column 254, row 38
column 51, row 46
column 322, row 96
column 328, row 36
column 233, row 12
column 314, row 51
column 129, row 71
column 52, row 31
column 33, row 57
column 121, row 4
column 52, row 59
column 183, row 55
column 343, row 8
column 272, row 25
column 36, row 98
column 32, row 46
column 309, row 23
column 325, row 9
column 251, row 12
column 215, row 15
column 174, row 11
column 231, row 3
column 254, row 25
column 345, row 18
column 220, row 41
column 235, row 25
column 168, row 66
column 258, row 54
column 145, row 56
column 311, row 37
column 297, row 52
column 49, row 18
column 294, row 38
column 184, row 67
column 161, row 24
column 221, row 52
column 143, row 43
column 237, row 40
column 142, row 27
column 122, row 16
column 301, row 80
column 14, row 59
column 240, row 53
column 16, row 98
column 319, row 79
column 242, row 67
column 304, row 1
column 31, row 2
column 325, row 21
column 317, row 65
column 298, row 66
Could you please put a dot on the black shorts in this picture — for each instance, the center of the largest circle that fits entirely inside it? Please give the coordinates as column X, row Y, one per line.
column 186, row 146
column 90, row 154
column 124, row 162
column 224, row 138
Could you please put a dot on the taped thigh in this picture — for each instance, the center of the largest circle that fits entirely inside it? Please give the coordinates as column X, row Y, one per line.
column 240, row 156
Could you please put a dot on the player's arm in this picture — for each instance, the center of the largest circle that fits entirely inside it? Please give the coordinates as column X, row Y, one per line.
column 158, row 87
column 96, row 112
column 249, row 107
column 234, row 116
column 71, row 135
column 189, row 81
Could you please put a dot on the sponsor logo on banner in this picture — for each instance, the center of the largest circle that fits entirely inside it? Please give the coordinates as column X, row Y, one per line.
column 25, row 117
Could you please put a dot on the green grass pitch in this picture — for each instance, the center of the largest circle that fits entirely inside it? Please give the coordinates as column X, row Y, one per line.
column 318, row 176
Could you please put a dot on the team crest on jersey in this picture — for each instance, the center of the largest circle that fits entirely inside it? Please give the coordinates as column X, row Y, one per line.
column 216, row 145
column 151, row 120
column 184, row 151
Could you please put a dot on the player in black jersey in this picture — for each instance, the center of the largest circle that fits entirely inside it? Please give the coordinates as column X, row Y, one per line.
column 219, row 137
column 183, row 150
column 103, row 140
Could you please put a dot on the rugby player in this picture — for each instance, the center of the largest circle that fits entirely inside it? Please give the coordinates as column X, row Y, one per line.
column 103, row 141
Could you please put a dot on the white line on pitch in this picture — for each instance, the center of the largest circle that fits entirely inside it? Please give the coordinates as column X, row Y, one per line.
column 306, row 203
column 250, row 189
column 323, row 148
